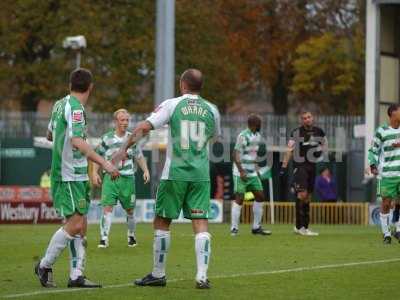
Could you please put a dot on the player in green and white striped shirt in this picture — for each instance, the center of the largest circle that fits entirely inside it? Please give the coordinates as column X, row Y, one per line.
column 245, row 176
column 123, row 188
column 385, row 153
column 69, row 181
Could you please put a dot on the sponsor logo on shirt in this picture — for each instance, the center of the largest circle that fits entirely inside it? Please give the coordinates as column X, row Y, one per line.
column 82, row 203
column 192, row 102
column 77, row 116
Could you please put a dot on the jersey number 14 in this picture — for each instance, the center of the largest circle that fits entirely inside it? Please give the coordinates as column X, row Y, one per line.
column 194, row 131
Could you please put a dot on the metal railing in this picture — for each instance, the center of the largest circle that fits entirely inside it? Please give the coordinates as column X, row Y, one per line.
column 276, row 128
column 320, row 213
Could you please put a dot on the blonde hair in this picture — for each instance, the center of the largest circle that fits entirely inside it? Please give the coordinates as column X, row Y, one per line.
column 121, row 110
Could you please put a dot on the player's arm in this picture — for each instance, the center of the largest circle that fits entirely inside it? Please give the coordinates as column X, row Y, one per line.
column 76, row 131
column 236, row 161
column 49, row 133
column 96, row 178
column 373, row 153
column 87, row 151
column 49, row 136
column 217, row 136
column 96, row 169
column 140, row 131
column 239, row 147
column 142, row 162
column 157, row 119
column 289, row 153
column 324, row 144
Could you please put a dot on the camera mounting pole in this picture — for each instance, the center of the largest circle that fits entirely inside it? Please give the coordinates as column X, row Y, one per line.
column 77, row 44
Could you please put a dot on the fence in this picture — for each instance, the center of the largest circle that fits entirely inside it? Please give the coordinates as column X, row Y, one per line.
column 339, row 129
column 320, row 213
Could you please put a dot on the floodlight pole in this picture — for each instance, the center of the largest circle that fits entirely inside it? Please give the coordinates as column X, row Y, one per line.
column 165, row 51
column 371, row 74
column 78, row 59
column 165, row 60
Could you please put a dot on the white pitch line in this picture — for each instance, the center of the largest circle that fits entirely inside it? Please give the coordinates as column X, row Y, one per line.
column 282, row 271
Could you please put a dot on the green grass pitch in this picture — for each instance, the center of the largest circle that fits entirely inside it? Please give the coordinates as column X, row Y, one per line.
column 344, row 262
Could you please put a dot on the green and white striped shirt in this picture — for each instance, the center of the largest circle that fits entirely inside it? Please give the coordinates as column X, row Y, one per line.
column 385, row 151
column 67, row 121
column 110, row 143
column 247, row 143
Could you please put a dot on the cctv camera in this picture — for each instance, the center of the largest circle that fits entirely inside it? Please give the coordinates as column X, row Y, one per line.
column 75, row 42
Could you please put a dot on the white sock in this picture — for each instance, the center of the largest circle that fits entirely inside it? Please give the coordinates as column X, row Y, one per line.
column 77, row 249
column 130, row 220
column 203, row 252
column 391, row 216
column 235, row 215
column 258, row 211
column 105, row 225
column 397, row 226
column 162, row 240
column 385, row 224
column 57, row 244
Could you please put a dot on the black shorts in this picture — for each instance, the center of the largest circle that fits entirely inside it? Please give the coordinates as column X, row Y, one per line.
column 304, row 178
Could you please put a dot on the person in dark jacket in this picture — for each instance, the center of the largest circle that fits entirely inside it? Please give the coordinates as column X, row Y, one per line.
column 325, row 186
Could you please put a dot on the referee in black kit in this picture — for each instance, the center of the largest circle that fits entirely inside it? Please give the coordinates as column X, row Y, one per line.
column 306, row 146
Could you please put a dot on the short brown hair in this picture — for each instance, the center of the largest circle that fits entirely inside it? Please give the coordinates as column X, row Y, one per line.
column 253, row 120
column 392, row 108
column 305, row 111
column 194, row 79
column 80, row 80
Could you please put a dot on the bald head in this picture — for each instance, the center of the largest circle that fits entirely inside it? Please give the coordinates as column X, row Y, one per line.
column 191, row 81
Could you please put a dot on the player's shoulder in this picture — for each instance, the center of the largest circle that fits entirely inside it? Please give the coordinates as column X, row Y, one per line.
column 213, row 107
column 296, row 131
column 382, row 130
column 59, row 103
column 167, row 105
column 171, row 102
column 244, row 135
column 319, row 130
column 108, row 135
column 74, row 103
column 244, row 132
column 383, row 127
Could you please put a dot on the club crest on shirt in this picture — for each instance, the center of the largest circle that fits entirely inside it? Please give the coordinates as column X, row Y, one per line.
column 396, row 145
column 82, row 203
column 77, row 116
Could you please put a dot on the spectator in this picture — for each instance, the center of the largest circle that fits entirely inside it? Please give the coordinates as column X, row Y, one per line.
column 325, row 186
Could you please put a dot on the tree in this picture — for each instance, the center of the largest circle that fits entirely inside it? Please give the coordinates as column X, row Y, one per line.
column 265, row 35
column 328, row 74
column 201, row 43
column 120, row 51
column 247, row 49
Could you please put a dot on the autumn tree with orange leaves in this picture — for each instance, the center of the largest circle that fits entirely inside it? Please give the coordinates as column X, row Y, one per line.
column 283, row 52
